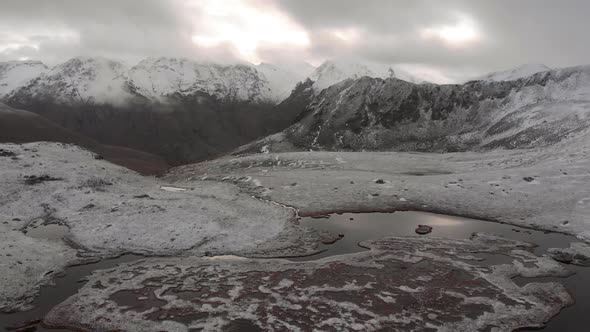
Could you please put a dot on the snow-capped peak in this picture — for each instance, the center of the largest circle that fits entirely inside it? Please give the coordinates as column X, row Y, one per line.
column 334, row 71
column 516, row 73
column 104, row 81
column 81, row 80
column 14, row 74
column 162, row 77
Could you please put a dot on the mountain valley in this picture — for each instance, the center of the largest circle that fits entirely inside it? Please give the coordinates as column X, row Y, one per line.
column 205, row 238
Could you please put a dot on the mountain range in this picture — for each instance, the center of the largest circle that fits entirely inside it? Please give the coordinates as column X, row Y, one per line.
column 104, row 81
column 390, row 114
column 83, row 80
column 98, row 80
column 177, row 108
column 515, row 73
column 187, row 111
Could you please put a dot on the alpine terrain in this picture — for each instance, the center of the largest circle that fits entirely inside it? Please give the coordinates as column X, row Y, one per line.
column 230, row 238
column 390, row 114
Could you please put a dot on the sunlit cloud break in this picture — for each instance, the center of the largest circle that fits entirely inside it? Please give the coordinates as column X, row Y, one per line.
column 462, row 33
column 245, row 27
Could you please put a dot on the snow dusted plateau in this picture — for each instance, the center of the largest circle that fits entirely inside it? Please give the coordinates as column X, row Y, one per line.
column 239, row 207
column 215, row 234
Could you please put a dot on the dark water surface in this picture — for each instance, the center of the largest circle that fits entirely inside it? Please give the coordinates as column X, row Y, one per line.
column 356, row 228
column 65, row 286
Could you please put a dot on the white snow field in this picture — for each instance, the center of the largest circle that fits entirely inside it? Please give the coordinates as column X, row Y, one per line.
column 110, row 210
column 545, row 188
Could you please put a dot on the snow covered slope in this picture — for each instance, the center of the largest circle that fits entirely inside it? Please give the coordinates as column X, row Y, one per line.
column 18, row 126
column 79, row 80
column 332, row 72
column 98, row 80
column 391, row 114
column 335, row 71
column 214, row 218
column 516, row 73
column 162, row 77
column 15, row 74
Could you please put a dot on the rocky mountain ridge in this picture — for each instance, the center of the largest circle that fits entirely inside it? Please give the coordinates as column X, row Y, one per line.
column 335, row 71
column 187, row 111
column 391, row 114
column 98, row 80
column 513, row 74
column 182, row 110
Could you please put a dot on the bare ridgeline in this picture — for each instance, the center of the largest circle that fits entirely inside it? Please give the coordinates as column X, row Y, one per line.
column 222, row 243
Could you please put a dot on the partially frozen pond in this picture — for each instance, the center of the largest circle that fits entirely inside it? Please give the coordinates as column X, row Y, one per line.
column 66, row 285
column 355, row 228
column 358, row 227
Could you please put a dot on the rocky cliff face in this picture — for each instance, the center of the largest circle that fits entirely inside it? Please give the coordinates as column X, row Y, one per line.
column 381, row 114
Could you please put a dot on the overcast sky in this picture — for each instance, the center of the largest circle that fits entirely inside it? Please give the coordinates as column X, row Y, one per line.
column 450, row 39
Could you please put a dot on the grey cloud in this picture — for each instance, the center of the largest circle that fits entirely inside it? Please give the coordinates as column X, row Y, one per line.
column 125, row 29
column 513, row 32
